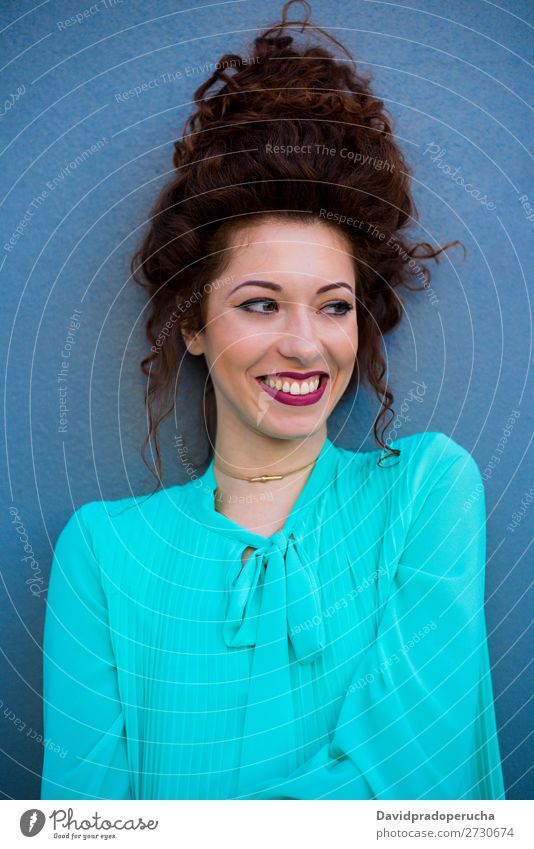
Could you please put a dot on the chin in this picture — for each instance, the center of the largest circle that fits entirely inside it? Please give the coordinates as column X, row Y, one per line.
column 290, row 431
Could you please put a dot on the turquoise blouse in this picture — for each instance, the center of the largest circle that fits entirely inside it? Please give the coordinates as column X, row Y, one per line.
column 347, row 659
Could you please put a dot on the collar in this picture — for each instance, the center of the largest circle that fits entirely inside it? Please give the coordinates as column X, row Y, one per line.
column 312, row 493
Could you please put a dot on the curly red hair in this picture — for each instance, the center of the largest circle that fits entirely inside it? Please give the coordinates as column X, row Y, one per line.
column 353, row 176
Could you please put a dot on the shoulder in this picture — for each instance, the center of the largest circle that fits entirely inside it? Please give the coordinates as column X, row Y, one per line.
column 435, row 463
column 425, row 459
column 427, row 447
column 101, row 522
column 104, row 544
column 432, row 452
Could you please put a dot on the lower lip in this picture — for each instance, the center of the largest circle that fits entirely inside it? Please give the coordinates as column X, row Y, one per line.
column 295, row 400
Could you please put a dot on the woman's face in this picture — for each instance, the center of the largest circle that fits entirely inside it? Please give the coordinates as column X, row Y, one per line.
column 285, row 303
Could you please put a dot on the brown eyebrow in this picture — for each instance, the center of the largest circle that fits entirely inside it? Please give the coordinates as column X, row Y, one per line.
column 266, row 284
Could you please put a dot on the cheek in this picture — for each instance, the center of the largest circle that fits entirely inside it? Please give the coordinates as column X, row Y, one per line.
column 230, row 355
column 344, row 344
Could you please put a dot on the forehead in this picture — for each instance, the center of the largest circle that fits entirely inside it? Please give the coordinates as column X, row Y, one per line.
column 286, row 247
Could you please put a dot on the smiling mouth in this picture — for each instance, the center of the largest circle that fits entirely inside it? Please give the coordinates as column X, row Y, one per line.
column 293, row 387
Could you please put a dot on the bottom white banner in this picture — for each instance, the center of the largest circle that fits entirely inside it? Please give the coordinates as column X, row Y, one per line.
column 233, row 823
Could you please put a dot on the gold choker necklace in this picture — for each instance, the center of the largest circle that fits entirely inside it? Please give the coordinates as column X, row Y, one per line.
column 262, row 478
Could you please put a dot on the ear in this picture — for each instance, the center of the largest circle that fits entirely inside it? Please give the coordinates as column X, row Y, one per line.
column 194, row 342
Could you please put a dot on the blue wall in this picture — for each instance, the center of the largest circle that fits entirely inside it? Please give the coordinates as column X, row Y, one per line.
column 457, row 80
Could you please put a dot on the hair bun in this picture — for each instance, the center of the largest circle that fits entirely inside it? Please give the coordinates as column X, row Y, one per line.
column 278, row 41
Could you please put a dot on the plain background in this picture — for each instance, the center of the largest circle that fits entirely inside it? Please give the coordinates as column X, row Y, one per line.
column 456, row 77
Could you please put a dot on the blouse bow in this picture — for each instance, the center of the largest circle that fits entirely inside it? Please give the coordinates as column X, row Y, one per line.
column 277, row 587
column 273, row 600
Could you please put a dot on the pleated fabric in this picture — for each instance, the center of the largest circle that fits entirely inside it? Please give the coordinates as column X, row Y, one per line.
column 346, row 659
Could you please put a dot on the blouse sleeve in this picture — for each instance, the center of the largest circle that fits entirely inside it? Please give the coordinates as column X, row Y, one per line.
column 417, row 721
column 83, row 720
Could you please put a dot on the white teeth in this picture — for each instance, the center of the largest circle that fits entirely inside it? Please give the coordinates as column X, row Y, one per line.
column 295, row 387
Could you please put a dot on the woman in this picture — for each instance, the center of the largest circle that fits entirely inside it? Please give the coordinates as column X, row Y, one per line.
column 300, row 621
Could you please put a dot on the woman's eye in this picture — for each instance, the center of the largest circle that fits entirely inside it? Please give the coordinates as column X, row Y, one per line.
column 345, row 306
column 247, row 306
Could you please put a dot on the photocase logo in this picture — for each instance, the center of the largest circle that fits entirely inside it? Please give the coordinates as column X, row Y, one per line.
column 31, row 822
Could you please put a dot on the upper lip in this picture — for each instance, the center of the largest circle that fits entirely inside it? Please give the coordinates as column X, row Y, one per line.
column 296, row 374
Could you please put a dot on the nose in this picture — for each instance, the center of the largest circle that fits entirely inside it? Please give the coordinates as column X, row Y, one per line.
column 298, row 336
